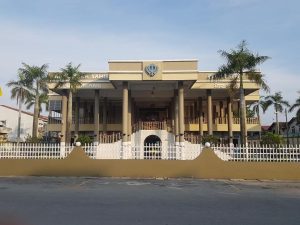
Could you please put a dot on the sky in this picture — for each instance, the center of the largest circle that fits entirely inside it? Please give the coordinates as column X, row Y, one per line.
column 92, row 32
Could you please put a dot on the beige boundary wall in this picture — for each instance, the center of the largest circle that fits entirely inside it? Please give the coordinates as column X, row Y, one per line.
column 207, row 166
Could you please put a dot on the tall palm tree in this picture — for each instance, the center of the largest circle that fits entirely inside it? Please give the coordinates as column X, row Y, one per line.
column 256, row 106
column 277, row 101
column 37, row 76
column 241, row 64
column 20, row 92
column 43, row 100
column 296, row 105
column 70, row 76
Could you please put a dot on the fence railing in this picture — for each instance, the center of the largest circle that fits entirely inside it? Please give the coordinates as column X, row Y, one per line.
column 195, row 139
column 249, row 153
column 110, row 138
column 150, row 125
column 258, row 153
column 34, row 151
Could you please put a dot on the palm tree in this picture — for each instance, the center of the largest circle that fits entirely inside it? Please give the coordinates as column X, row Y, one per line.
column 20, row 92
column 70, row 76
column 277, row 101
column 296, row 105
column 37, row 76
column 43, row 100
column 256, row 106
column 241, row 64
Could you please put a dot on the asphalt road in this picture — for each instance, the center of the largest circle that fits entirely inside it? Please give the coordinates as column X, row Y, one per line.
column 83, row 201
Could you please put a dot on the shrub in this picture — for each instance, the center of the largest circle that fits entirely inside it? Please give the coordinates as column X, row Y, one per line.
column 84, row 139
column 271, row 139
column 211, row 139
column 33, row 139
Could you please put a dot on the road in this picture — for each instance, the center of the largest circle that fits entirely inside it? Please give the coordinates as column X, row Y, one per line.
column 83, row 201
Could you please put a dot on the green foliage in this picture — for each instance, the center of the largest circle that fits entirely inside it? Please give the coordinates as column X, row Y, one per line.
column 31, row 139
column 211, row 139
column 241, row 62
column 296, row 105
column 271, row 139
column 250, row 112
column 69, row 75
column 84, row 139
column 275, row 100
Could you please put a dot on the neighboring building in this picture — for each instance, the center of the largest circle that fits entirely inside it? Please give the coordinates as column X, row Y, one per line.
column 264, row 129
column 4, row 131
column 290, row 131
column 140, row 102
column 293, row 131
column 10, row 116
column 282, row 128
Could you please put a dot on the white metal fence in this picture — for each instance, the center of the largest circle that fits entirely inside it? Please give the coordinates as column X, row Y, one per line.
column 34, row 151
column 258, row 153
column 250, row 153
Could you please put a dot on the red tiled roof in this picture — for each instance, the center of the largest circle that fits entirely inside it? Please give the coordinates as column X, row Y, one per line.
column 265, row 128
column 44, row 118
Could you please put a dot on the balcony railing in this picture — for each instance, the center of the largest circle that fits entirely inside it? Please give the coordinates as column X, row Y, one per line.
column 222, row 120
column 110, row 138
column 150, row 125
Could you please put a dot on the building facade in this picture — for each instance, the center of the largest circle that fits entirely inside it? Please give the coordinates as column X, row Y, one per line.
column 9, row 117
column 140, row 102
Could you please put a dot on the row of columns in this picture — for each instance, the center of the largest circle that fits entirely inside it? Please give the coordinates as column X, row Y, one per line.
column 96, row 116
column 177, row 114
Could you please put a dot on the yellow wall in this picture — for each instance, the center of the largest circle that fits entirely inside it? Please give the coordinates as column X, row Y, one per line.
column 207, row 166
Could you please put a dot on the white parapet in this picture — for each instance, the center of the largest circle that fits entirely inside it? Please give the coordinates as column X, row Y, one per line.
column 126, row 150
column 109, row 150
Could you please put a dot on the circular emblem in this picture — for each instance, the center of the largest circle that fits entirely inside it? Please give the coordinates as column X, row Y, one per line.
column 151, row 70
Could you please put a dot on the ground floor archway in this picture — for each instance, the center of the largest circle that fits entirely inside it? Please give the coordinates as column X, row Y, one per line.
column 152, row 147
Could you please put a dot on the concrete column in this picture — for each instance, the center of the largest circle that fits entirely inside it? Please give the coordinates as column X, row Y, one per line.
column 96, row 116
column 172, row 114
column 200, row 117
column 104, row 115
column 129, row 132
column 181, row 111
column 64, row 106
column 176, row 118
column 125, row 111
column 77, row 102
column 209, row 113
column 229, row 120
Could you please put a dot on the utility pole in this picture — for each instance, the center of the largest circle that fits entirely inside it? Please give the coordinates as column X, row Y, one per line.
column 287, row 128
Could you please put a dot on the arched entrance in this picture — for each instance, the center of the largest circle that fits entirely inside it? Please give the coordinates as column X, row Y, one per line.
column 152, row 147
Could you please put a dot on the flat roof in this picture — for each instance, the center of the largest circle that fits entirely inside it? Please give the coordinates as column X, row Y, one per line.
column 155, row 60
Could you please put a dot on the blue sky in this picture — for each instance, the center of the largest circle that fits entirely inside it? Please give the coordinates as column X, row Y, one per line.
column 92, row 32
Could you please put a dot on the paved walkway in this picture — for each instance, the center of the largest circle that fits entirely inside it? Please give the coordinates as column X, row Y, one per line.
column 83, row 201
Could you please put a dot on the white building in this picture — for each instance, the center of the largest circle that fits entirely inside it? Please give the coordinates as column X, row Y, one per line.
column 10, row 116
column 294, row 131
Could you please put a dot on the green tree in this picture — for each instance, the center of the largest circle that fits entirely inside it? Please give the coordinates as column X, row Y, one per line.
column 277, row 101
column 241, row 64
column 37, row 78
column 296, row 105
column 70, row 77
column 20, row 92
